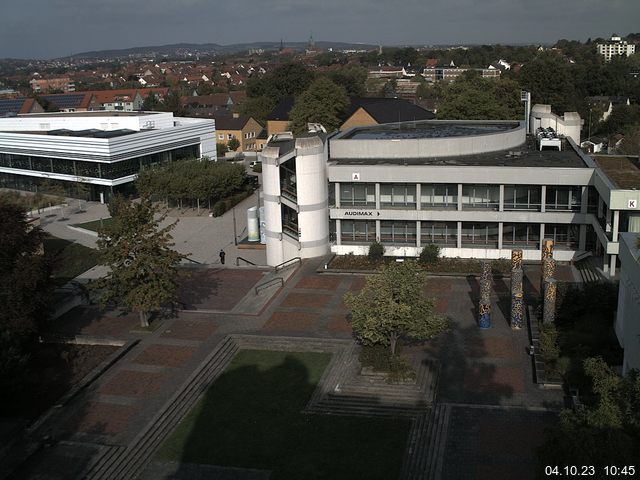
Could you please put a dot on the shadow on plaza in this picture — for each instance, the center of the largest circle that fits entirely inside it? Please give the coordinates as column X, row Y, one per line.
column 252, row 418
column 197, row 286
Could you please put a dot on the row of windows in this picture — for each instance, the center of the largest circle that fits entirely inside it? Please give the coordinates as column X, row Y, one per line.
column 445, row 196
column 473, row 234
column 81, row 168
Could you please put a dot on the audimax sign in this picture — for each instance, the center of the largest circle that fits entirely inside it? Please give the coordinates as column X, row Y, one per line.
column 361, row 213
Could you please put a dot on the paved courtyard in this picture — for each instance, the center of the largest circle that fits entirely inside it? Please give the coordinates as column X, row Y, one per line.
column 495, row 412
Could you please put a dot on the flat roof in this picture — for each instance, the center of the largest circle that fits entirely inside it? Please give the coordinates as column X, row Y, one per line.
column 87, row 133
column 96, row 113
column 526, row 155
column 623, row 171
column 428, row 129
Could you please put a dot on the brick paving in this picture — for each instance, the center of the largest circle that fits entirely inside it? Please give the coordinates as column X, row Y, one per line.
column 485, row 443
column 291, row 322
column 217, row 288
column 92, row 320
column 134, row 383
column 184, row 329
column 165, row 355
column 306, row 300
column 106, row 419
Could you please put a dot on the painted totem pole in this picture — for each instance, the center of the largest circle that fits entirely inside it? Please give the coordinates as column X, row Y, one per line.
column 484, row 308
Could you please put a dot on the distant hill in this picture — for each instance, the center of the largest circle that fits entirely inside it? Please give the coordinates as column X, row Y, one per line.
column 180, row 49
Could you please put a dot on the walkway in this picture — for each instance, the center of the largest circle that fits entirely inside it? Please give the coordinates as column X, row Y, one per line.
column 481, row 419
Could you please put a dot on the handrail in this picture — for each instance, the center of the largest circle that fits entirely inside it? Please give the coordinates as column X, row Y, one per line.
column 269, row 283
column 286, row 264
column 192, row 261
column 244, row 260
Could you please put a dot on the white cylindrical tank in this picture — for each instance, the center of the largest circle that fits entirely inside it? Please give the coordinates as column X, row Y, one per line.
column 253, row 231
column 272, row 213
column 312, row 196
column 263, row 226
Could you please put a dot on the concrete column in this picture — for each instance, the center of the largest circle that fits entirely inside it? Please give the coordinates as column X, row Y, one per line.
column 500, row 227
column 584, row 203
column 600, row 204
column 541, row 235
column 608, row 220
column 459, row 199
column 338, row 232
column 377, row 230
column 549, row 308
column 605, row 262
column 501, row 201
column 418, row 234
column 582, row 238
column 378, row 199
column 543, row 199
column 612, row 267
column 616, row 224
column 337, row 194
column 459, row 240
column 418, row 195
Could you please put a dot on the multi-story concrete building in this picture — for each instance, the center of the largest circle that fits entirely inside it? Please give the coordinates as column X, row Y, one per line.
column 614, row 47
column 627, row 324
column 477, row 189
column 105, row 150
column 49, row 84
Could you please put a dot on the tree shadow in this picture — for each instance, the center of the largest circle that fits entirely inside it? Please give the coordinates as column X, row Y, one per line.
column 251, row 417
column 198, row 285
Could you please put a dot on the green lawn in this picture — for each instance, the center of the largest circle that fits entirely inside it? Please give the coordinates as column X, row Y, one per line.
column 69, row 259
column 251, row 417
column 94, row 225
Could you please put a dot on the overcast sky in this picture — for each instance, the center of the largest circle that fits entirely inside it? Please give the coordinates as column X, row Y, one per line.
column 55, row 28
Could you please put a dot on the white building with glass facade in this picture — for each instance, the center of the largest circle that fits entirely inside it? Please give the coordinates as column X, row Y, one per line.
column 105, row 150
column 477, row 189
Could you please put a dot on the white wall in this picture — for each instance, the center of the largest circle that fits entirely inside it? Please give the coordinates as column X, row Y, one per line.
column 627, row 324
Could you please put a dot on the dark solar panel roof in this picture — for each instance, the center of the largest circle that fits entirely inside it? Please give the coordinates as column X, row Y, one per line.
column 71, row 100
column 11, row 106
column 92, row 133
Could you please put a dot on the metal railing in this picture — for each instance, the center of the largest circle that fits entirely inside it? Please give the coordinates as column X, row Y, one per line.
column 269, row 283
column 248, row 262
column 287, row 264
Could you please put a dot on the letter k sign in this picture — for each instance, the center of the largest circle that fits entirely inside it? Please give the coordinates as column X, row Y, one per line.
column 632, row 204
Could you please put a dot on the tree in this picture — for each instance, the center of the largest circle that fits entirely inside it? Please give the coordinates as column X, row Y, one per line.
column 258, row 108
column 143, row 266
column 150, row 103
column 323, row 102
column 233, row 144
column 549, row 80
column 631, row 142
column 25, row 290
column 392, row 306
column 221, row 149
column 603, row 432
column 472, row 97
column 285, row 80
column 353, row 78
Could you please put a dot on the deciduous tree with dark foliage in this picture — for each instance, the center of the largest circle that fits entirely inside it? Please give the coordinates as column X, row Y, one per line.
column 25, row 290
column 143, row 265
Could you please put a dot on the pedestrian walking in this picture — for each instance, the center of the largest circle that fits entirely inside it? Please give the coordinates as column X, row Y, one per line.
column 222, row 254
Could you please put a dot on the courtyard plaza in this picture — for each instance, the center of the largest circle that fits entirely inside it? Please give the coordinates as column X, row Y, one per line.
column 489, row 411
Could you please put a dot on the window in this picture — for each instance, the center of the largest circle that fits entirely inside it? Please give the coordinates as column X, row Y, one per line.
column 290, row 221
column 484, row 235
column 400, row 195
column 439, row 196
column 229, row 136
column 565, row 237
column 439, row 233
column 357, row 231
column 525, row 235
column 481, row 196
column 398, row 233
column 288, row 183
column 563, row 198
column 221, row 136
column 522, row 197
column 358, row 195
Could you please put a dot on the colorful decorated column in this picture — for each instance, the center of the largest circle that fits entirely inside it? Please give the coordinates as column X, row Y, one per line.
column 516, row 259
column 517, row 310
column 517, row 298
column 547, row 253
column 484, row 309
column 549, row 309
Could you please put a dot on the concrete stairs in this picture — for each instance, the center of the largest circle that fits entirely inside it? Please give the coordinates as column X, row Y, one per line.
column 128, row 463
column 426, row 445
column 588, row 270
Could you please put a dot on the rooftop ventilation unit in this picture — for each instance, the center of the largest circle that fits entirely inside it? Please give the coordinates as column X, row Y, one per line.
column 547, row 137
